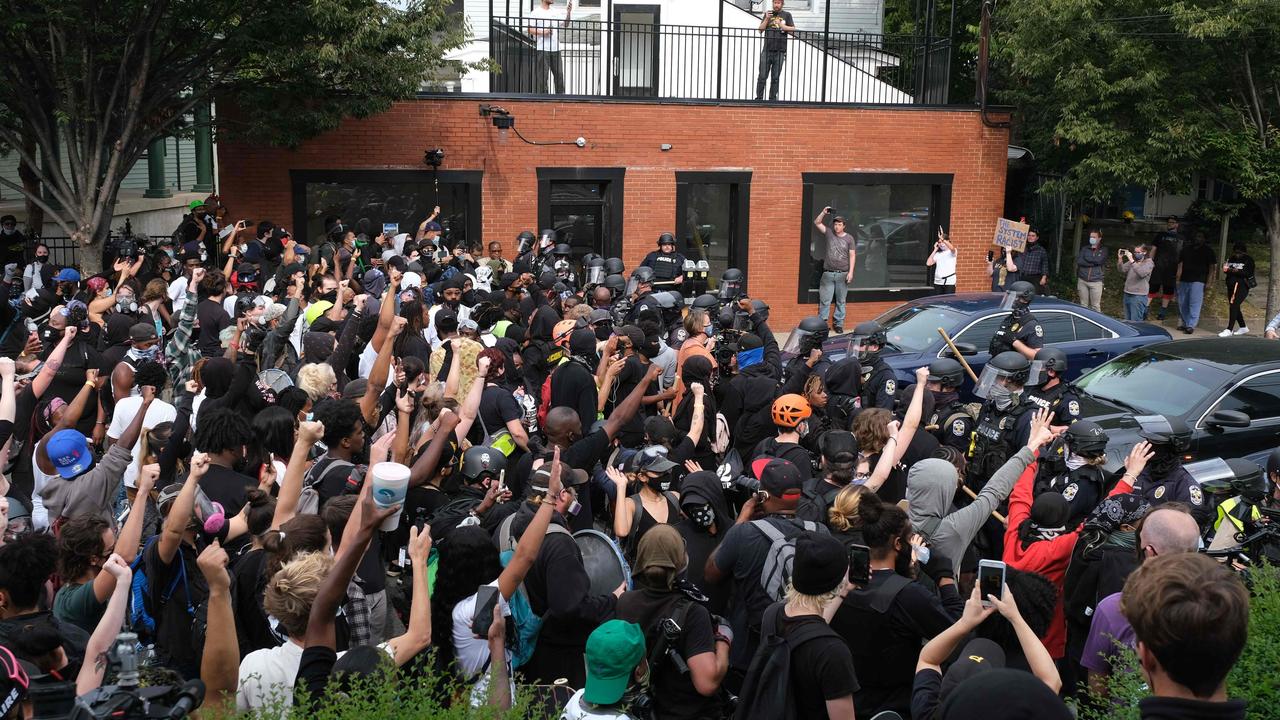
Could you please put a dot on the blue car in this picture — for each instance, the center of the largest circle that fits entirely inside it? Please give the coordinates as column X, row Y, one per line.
column 1089, row 338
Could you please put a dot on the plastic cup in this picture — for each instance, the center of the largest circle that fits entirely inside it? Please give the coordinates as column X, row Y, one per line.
column 390, row 483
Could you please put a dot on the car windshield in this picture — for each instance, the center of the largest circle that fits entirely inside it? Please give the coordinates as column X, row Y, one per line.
column 914, row 328
column 1152, row 382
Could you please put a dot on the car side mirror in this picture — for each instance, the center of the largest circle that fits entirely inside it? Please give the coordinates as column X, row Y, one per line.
column 1228, row 419
column 964, row 349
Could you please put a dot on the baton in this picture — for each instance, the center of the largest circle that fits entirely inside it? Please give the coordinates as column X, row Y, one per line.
column 974, row 496
column 947, row 339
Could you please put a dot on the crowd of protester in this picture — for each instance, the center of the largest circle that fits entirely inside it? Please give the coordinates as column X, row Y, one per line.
column 621, row 501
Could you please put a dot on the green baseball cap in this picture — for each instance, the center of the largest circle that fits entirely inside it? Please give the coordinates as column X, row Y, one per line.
column 195, row 204
column 613, row 651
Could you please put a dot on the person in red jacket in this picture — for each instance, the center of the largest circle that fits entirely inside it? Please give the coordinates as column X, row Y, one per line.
column 1038, row 540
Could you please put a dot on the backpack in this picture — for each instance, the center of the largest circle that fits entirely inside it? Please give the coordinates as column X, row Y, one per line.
column 816, row 498
column 309, row 500
column 781, row 556
column 766, row 689
column 141, row 612
column 527, row 623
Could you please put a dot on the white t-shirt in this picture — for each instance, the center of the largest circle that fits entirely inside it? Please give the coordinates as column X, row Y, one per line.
column 944, row 267
column 126, row 410
column 576, row 709
column 472, row 652
column 267, row 675
column 178, row 294
column 549, row 18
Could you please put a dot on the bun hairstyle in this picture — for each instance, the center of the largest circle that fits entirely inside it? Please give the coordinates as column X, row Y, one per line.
column 292, row 590
column 262, row 509
column 304, row 533
column 881, row 522
column 843, row 515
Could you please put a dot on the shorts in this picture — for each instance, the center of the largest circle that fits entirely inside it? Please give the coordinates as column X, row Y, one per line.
column 1164, row 283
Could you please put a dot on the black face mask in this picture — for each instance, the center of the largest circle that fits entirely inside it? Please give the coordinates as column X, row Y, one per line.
column 603, row 332
column 42, row 258
column 1164, row 461
column 331, row 296
column 651, row 349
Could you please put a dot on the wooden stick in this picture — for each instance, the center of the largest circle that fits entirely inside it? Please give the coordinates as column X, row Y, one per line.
column 973, row 495
column 955, row 351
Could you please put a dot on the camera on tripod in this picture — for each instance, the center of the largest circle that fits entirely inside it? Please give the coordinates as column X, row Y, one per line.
column 125, row 700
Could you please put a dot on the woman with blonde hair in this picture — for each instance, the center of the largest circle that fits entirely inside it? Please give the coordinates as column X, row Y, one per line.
column 843, row 518
column 318, row 380
column 882, row 444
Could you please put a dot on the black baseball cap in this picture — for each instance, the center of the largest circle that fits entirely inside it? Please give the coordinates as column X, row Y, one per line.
column 777, row 477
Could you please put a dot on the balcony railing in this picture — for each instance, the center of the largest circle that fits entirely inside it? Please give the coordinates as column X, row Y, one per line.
column 688, row 62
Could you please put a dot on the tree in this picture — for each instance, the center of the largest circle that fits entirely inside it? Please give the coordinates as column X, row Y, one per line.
column 85, row 86
column 1134, row 92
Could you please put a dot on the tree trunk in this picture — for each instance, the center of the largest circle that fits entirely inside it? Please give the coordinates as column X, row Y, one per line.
column 1271, row 218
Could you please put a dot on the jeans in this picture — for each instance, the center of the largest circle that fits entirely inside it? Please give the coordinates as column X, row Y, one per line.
column 549, row 62
column 1135, row 307
column 944, row 289
column 832, row 286
column 770, row 66
column 1090, row 294
column 1190, row 300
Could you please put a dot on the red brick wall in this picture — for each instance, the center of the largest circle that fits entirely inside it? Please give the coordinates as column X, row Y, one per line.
column 776, row 143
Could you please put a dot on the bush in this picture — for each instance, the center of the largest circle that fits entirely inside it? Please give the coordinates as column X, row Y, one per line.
column 1253, row 679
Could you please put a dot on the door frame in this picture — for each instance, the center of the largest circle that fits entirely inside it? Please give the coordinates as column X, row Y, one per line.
column 740, row 213
column 611, row 199
column 652, row 90
column 474, row 179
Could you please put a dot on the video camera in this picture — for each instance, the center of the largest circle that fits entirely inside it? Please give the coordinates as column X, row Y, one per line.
column 125, row 700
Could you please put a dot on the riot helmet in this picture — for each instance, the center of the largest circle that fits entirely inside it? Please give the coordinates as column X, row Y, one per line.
column 614, row 266
column 1018, row 295
column 947, row 372
column 593, row 270
column 707, row 302
column 761, row 308
column 615, row 283
column 1047, row 359
column 562, row 249
column 524, row 242
column 807, row 336
column 867, row 341
column 666, row 239
column 1086, row 439
column 732, row 285
column 1003, row 378
column 642, row 275
column 1169, row 438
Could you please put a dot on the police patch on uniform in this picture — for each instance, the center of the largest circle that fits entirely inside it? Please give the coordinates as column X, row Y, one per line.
column 890, row 387
column 957, row 428
column 1069, row 492
column 1159, row 492
column 1039, row 331
column 1073, row 407
column 1197, row 496
column 682, row 334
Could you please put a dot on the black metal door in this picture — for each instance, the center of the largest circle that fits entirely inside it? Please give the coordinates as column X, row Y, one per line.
column 635, row 50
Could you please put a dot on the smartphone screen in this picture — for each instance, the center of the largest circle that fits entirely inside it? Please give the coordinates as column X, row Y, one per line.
column 486, row 598
column 990, row 580
column 859, row 563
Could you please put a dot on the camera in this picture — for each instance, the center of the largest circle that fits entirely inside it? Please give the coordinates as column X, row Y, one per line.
column 746, row 483
column 433, row 157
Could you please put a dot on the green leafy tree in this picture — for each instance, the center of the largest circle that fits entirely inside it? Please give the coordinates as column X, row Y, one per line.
column 85, row 86
column 1133, row 92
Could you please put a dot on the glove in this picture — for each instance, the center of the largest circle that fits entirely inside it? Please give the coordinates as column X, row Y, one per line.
column 939, row 567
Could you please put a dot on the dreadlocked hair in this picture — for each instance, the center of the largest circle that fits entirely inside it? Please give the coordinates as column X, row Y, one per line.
column 149, row 372
column 222, row 429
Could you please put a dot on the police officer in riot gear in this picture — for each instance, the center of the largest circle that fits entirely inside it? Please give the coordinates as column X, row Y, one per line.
column 593, row 273
column 614, row 266
column 538, row 259
column 733, row 285
column 669, row 307
column 617, row 285
column 1020, row 331
column 1048, row 390
column 994, row 440
column 525, row 242
column 708, row 303
column 667, row 264
column 879, row 388
column 1072, row 467
column 951, row 423
column 562, row 265
column 1164, row 479
column 808, row 336
column 638, row 297
column 1249, row 486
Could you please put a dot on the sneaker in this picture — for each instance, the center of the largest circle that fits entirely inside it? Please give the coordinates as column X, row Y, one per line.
column 1225, row 333
column 1183, row 328
column 1242, row 330
column 1188, row 330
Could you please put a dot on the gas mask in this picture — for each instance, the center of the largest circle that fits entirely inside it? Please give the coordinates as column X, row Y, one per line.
column 126, row 304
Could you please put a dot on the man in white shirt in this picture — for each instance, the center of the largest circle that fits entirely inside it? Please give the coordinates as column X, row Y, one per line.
column 544, row 26
column 943, row 262
column 146, row 373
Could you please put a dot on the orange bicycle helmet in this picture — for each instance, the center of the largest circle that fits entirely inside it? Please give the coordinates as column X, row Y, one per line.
column 561, row 332
column 790, row 409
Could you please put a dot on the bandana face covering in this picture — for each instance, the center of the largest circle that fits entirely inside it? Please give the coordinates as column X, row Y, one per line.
column 702, row 515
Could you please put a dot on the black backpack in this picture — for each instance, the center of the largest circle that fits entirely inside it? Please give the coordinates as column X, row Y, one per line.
column 766, row 689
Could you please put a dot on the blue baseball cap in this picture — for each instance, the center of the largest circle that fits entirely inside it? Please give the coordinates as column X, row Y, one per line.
column 70, row 453
column 432, row 226
column 67, row 275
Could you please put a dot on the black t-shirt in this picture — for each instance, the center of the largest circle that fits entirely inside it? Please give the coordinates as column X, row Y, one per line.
column 497, row 408
column 67, row 381
column 674, row 695
column 775, row 39
column 314, row 669
column 224, row 485
column 573, row 386
column 1197, row 261
column 628, row 378
column 248, row 585
column 924, row 694
column 1166, row 245
column 821, row 669
column 212, row 319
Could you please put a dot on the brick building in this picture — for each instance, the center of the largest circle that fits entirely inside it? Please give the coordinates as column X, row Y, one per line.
column 738, row 183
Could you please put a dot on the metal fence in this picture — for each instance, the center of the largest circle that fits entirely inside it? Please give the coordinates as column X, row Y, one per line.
column 646, row 60
column 62, row 250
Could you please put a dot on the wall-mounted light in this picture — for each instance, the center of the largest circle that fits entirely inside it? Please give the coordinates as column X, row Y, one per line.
column 665, row 147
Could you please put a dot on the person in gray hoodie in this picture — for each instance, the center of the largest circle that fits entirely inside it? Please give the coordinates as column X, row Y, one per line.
column 931, row 490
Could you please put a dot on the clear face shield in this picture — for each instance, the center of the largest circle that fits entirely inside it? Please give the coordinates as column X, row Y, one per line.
column 593, row 274
column 1154, row 426
column 730, row 290
column 1009, row 300
column 798, row 342
column 1213, row 475
column 1038, row 375
column 636, row 280
column 993, row 383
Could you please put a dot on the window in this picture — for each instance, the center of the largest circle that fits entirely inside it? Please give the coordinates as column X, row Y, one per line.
column 1258, row 397
column 980, row 333
column 584, row 207
column 914, row 328
column 1057, row 327
column 893, row 219
column 1089, row 330
column 403, row 198
column 711, row 224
